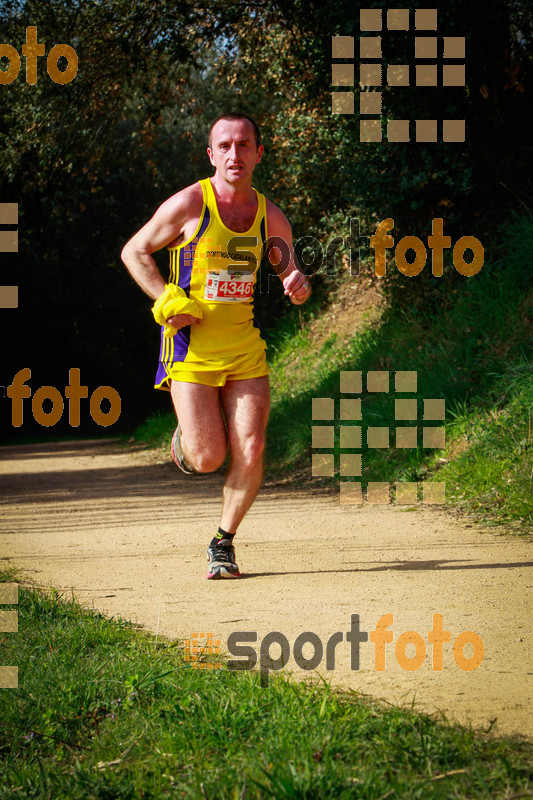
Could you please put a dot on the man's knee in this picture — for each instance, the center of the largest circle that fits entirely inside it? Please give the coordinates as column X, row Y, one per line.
column 250, row 453
column 207, row 460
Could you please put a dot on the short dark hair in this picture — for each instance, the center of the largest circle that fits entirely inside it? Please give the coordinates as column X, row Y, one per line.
column 237, row 115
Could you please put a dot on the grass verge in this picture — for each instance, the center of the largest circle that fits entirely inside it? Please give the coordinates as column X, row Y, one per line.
column 105, row 711
column 471, row 346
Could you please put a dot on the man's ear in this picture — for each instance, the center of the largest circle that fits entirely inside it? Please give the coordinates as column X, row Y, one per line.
column 210, row 154
column 260, row 151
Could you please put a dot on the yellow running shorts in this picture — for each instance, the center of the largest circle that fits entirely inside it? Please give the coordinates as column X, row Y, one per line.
column 217, row 372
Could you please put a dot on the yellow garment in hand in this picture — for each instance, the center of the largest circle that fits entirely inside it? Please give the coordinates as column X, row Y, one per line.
column 174, row 301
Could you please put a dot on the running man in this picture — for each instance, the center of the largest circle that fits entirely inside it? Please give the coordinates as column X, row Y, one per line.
column 212, row 354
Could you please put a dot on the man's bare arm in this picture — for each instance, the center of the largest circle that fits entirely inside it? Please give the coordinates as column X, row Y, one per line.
column 295, row 283
column 169, row 222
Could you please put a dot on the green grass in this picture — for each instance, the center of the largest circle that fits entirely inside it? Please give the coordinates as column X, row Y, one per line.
column 471, row 344
column 105, row 711
column 157, row 429
column 495, row 468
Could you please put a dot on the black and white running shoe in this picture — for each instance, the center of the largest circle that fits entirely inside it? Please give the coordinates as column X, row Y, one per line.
column 221, row 561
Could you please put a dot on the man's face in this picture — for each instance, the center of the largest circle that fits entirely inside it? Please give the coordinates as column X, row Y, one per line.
column 233, row 150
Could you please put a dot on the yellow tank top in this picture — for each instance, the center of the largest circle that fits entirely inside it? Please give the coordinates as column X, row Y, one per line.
column 218, row 268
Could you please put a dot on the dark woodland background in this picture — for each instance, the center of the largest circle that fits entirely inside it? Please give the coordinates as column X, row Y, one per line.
column 90, row 161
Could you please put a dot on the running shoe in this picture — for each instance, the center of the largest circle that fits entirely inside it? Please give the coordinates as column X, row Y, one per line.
column 221, row 561
column 177, row 453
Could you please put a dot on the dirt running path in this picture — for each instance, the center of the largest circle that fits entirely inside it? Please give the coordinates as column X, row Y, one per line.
column 128, row 534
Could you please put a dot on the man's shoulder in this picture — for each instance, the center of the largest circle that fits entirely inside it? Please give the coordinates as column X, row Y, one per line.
column 190, row 198
column 179, row 214
column 277, row 221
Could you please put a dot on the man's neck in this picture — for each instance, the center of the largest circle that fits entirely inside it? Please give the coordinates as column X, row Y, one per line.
column 239, row 194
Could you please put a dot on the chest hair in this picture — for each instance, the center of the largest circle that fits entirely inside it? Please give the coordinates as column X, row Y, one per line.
column 237, row 220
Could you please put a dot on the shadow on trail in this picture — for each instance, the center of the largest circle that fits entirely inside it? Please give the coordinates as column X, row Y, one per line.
column 99, row 484
column 401, row 566
column 66, row 449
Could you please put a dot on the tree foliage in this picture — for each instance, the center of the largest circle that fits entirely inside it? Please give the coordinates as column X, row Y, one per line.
column 88, row 162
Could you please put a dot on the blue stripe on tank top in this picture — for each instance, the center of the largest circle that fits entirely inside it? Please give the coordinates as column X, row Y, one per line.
column 263, row 237
column 255, row 323
column 182, row 338
column 186, row 256
column 263, row 242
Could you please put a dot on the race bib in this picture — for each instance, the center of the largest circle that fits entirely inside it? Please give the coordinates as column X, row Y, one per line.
column 228, row 286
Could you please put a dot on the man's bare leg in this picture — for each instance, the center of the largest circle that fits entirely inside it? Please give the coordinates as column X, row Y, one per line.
column 203, row 434
column 246, row 404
